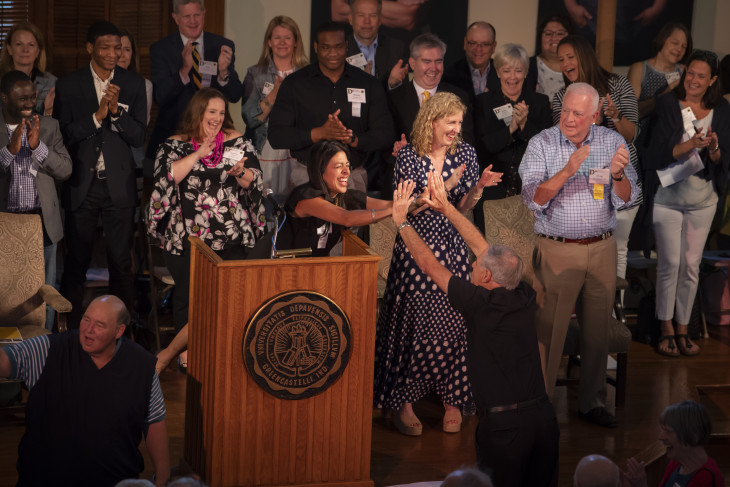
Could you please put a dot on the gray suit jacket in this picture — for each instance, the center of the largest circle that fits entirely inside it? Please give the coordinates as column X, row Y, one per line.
column 56, row 167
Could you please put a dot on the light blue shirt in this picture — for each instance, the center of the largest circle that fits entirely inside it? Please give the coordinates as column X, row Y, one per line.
column 368, row 52
column 574, row 212
column 479, row 80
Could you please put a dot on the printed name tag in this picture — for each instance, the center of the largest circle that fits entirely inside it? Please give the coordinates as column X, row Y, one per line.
column 208, row 67
column 268, row 87
column 356, row 95
column 688, row 117
column 599, row 176
column 358, row 60
column 232, row 156
column 672, row 77
column 504, row 111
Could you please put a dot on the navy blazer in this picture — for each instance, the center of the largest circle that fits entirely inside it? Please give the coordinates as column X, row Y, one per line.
column 459, row 75
column 171, row 95
column 74, row 108
column 404, row 107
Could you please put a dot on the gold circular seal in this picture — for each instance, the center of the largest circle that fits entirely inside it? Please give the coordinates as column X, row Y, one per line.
column 297, row 344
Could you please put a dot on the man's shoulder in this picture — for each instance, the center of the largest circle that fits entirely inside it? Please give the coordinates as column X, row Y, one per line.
column 299, row 75
column 446, row 86
column 166, row 42
column 460, row 66
column 216, row 39
column 606, row 135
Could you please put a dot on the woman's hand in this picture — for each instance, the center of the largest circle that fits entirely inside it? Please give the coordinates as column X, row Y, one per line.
column 635, row 474
column 455, row 177
column 489, row 178
column 238, row 169
column 610, row 110
column 48, row 102
column 519, row 116
column 206, row 147
column 402, row 199
column 435, row 195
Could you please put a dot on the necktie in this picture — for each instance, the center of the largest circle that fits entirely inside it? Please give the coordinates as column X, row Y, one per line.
column 426, row 96
column 195, row 74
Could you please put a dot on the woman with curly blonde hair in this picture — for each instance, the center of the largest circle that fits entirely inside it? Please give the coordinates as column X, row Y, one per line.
column 421, row 342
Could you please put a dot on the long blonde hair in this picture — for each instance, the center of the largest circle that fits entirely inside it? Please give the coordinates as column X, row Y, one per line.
column 440, row 105
column 299, row 60
column 6, row 62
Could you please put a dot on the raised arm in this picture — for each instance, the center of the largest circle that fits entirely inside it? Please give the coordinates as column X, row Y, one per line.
column 324, row 210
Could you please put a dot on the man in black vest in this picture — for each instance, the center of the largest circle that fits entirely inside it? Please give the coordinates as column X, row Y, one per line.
column 93, row 395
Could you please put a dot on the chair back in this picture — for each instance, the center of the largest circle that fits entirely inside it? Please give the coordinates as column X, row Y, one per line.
column 22, row 270
column 508, row 222
column 382, row 239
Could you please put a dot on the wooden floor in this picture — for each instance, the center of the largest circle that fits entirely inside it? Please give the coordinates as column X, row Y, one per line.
column 653, row 383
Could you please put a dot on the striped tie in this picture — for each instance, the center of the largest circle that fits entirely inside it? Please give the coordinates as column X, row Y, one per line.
column 195, row 74
column 426, row 96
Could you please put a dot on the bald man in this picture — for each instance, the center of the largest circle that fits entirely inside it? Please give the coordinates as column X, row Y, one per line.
column 93, row 395
column 468, row 477
column 596, row 471
column 475, row 73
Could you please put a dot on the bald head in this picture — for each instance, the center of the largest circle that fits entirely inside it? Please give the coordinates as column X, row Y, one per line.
column 116, row 308
column 596, row 471
column 468, row 477
column 479, row 44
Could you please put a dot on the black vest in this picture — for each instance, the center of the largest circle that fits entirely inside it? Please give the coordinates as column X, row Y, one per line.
column 83, row 425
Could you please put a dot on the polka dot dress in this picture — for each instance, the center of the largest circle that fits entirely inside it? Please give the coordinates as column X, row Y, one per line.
column 421, row 339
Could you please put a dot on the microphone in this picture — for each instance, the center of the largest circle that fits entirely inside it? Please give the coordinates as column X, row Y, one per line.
column 268, row 194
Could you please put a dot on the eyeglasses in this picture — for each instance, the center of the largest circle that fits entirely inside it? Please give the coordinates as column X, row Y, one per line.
column 483, row 45
column 555, row 33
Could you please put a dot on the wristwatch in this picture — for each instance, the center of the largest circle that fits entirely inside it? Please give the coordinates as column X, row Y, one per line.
column 623, row 175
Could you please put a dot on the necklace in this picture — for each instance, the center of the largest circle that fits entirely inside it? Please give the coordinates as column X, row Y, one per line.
column 214, row 158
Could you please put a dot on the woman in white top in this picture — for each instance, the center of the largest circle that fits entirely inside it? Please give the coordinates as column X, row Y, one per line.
column 544, row 74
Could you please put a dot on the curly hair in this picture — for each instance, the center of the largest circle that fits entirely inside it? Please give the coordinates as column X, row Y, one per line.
column 190, row 125
column 6, row 61
column 299, row 60
column 440, row 105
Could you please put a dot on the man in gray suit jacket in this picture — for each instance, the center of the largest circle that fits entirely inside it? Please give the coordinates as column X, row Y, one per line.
column 33, row 158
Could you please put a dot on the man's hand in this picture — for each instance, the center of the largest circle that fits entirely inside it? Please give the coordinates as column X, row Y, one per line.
column 103, row 109
column 187, row 59
column 48, row 102
column 578, row 13
column 332, row 129
column 399, row 144
column 224, row 61
column 398, row 74
column 576, row 159
column 402, row 199
column 17, row 138
column 619, row 161
column 435, row 196
column 489, row 178
column 34, row 132
column 112, row 95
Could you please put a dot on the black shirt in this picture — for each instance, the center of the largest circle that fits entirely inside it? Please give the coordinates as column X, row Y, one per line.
column 305, row 99
column 502, row 355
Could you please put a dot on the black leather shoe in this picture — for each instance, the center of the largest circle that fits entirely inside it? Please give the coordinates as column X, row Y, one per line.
column 599, row 416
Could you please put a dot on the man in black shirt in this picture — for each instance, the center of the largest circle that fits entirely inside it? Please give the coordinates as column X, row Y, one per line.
column 517, row 436
column 331, row 100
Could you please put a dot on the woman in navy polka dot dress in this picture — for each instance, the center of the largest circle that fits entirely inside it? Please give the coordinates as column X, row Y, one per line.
column 421, row 342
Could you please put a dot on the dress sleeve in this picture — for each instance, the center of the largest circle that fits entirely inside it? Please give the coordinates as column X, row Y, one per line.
column 156, row 403
column 408, row 166
column 558, row 105
column 163, row 199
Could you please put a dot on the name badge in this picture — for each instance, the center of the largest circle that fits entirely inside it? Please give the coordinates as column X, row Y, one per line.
column 356, row 95
column 231, row 156
column 358, row 60
column 208, row 67
column 672, row 77
column 504, row 113
column 688, row 117
column 599, row 176
column 597, row 191
column 268, row 87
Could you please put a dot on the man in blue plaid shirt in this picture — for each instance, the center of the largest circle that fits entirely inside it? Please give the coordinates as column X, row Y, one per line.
column 574, row 178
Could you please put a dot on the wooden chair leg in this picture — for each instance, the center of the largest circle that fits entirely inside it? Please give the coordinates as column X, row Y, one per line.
column 622, row 360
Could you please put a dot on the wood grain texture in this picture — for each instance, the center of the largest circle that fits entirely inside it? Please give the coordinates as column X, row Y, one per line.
column 238, row 434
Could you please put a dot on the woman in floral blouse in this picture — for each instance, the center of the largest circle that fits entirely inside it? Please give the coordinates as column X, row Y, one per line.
column 207, row 184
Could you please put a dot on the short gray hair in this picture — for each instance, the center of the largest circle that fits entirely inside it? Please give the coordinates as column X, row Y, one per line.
column 504, row 264
column 176, row 4
column 134, row 483
column 511, row 53
column 426, row 41
column 586, row 90
column 690, row 421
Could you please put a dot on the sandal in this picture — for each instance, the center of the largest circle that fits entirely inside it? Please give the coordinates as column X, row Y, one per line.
column 686, row 347
column 452, row 421
column 671, row 346
column 410, row 425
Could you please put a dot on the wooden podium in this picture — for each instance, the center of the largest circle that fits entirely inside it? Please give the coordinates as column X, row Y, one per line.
column 237, row 434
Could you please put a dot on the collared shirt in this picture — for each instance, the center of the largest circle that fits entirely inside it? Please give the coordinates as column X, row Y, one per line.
column 23, row 195
column 100, row 85
column 420, row 90
column 573, row 212
column 205, row 79
column 28, row 358
column 368, row 52
column 479, row 80
column 306, row 98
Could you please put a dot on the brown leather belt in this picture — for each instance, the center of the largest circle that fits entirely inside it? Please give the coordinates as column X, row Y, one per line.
column 517, row 405
column 581, row 241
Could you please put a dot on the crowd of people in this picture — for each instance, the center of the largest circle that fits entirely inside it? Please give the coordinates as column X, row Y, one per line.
column 371, row 129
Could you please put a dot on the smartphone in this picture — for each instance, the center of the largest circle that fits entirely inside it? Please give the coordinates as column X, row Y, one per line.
column 698, row 128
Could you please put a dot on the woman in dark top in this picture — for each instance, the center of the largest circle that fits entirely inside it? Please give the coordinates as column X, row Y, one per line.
column 319, row 210
column 207, row 184
column 506, row 119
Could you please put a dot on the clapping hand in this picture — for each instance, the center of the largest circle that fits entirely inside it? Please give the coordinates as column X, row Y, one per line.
column 34, row 132
column 398, row 74
column 224, row 61
column 402, row 199
column 489, row 178
column 17, row 138
column 238, row 169
column 455, row 177
column 619, row 161
column 399, row 144
column 435, row 195
column 519, row 115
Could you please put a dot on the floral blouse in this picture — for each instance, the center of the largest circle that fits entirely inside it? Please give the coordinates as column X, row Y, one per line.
column 208, row 203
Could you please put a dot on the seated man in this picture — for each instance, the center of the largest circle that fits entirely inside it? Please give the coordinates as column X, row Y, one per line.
column 502, row 358
column 596, row 471
column 93, row 395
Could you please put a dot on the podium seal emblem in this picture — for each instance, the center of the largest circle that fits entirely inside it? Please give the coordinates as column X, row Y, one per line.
column 297, row 344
